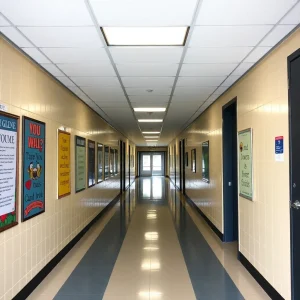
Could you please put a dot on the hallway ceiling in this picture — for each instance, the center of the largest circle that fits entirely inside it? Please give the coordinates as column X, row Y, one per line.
column 225, row 39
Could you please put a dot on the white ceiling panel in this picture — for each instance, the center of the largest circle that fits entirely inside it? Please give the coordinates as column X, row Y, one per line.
column 216, row 55
column 193, row 91
column 207, row 69
column 220, row 90
column 36, row 55
column 230, row 80
column 228, row 36
column 111, row 104
column 66, row 81
column 15, row 36
column 276, row 35
column 46, row 13
column 96, row 81
column 246, row 12
column 150, row 104
column 100, row 94
column 149, row 99
column 189, row 99
column 242, row 68
column 153, row 82
column 293, row 17
column 99, row 98
column 52, row 69
column 146, row 54
column 83, row 37
column 3, row 22
column 144, row 13
column 200, row 81
column 150, row 69
column 88, row 69
column 143, row 91
column 257, row 54
column 75, row 55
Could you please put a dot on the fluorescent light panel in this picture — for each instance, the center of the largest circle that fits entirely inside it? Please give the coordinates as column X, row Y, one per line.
column 151, row 137
column 150, row 120
column 151, row 132
column 150, row 109
column 151, row 141
column 145, row 36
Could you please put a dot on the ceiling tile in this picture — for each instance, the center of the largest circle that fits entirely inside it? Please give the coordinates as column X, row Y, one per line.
column 191, row 91
column 216, row 55
column 246, row 12
column 207, row 69
column 101, row 93
column 66, row 81
column 15, row 36
column 3, row 22
column 293, row 17
column 146, row 54
column 52, row 69
column 143, row 91
column 88, row 69
column 46, row 13
column 257, row 54
column 153, row 82
column 96, row 81
column 151, row 69
column 149, row 99
column 36, row 55
column 242, row 68
column 230, row 80
column 75, row 55
column 277, row 35
column 200, row 81
column 220, row 90
column 228, row 36
column 144, row 13
column 84, row 37
column 113, row 104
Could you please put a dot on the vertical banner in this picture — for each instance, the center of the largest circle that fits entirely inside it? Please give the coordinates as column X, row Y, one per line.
column 9, row 127
column 64, row 164
column 245, row 164
column 91, row 163
column 80, row 164
column 33, row 185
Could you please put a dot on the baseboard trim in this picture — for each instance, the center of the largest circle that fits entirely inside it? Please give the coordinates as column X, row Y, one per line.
column 208, row 221
column 30, row 286
column 269, row 289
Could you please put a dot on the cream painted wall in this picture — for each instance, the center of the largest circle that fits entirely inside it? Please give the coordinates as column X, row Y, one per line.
column 264, row 224
column 26, row 248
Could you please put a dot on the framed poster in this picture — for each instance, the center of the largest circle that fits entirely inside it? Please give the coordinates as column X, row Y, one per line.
column 116, row 161
column 91, row 163
column 193, row 160
column 80, row 164
column 205, row 161
column 9, row 149
column 64, row 164
column 186, row 159
column 99, row 162
column 106, row 162
column 111, row 162
column 245, row 163
column 33, row 184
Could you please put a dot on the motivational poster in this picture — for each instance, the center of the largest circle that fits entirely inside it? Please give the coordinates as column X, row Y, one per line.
column 245, row 164
column 33, row 185
column 80, row 164
column 64, row 164
column 9, row 126
column 91, row 163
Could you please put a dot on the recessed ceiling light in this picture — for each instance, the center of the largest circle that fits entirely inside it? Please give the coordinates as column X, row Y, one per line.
column 151, row 140
column 149, row 91
column 150, row 132
column 151, row 137
column 150, row 120
column 145, row 36
column 150, row 109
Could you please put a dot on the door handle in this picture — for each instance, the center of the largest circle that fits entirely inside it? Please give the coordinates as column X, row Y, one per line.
column 296, row 204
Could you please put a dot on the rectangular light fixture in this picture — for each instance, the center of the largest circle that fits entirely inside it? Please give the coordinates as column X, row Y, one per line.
column 151, row 141
column 150, row 120
column 151, row 137
column 150, row 109
column 151, row 132
column 145, row 36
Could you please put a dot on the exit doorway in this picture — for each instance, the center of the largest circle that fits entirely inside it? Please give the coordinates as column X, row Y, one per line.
column 151, row 163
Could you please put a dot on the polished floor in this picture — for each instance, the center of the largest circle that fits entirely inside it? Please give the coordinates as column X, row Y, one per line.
column 151, row 245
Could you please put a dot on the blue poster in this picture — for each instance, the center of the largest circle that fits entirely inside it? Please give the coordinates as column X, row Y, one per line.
column 33, row 185
column 279, row 150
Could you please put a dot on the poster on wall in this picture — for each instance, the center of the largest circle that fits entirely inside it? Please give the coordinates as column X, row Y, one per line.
column 106, row 162
column 9, row 127
column 279, row 149
column 205, row 161
column 245, row 164
column 193, row 160
column 33, row 184
column 99, row 162
column 80, row 164
column 91, row 163
column 64, row 164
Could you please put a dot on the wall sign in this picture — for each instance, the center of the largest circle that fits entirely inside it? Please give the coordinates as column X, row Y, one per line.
column 193, row 160
column 91, row 163
column 106, row 162
column 80, row 164
column 279, row 150
column 9, row 127
column 33, row 185
column 64, row 164
column 99, row 162
column 205, row 161
column 245, row 164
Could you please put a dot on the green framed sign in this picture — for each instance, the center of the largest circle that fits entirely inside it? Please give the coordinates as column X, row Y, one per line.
column 245, row 164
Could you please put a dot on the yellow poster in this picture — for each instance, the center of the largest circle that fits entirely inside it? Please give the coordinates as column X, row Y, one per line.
column 64, row 164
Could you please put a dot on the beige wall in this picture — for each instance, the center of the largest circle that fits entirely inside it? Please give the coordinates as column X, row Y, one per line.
column 27, row 248
column 264, row 224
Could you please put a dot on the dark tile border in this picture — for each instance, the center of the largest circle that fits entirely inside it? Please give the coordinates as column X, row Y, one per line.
column 269, row 289
column 30, row 286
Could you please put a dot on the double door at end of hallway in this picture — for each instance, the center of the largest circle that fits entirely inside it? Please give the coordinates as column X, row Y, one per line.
column 151, row 164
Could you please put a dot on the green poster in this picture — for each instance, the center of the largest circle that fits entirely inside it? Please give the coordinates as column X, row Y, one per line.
column 80, row 161
column 245, row 164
